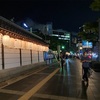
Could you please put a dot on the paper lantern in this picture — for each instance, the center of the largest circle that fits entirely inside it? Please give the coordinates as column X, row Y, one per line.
column 38, row 47
column 31, row 45
column 47, row 49
column 28, row 45
column 5, row 40
column 11, row 42
column 23, row 46
column 17, row 43
column 34, row 46
column 43, row 48
column 0, row 38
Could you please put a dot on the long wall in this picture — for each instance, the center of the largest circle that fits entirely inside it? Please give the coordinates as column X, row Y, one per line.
column 19, row 57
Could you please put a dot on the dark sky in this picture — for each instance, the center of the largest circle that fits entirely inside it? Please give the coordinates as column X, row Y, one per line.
column 64, row 14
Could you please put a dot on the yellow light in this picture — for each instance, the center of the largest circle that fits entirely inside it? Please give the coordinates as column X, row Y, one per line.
column 5, row 40
column 23, row 45
column 80, row 48
column 47, row 48
column 0, row 38
column 29, row 45
column 17, row 43
column 35, row 47
column 11, row 42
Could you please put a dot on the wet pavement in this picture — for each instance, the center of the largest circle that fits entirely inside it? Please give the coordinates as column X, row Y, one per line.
column 53, row 83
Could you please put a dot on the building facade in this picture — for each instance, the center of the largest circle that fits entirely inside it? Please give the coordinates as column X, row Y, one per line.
column 19, row 47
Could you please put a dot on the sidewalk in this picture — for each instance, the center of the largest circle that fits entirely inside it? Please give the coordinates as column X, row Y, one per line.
column 13, row 73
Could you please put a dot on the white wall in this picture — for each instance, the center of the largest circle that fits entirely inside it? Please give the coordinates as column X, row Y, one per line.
column 26, row 57
column 34, row 56
column 41, row 56
column 11, row 58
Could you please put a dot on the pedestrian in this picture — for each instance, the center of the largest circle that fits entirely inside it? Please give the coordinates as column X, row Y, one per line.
column 66, row 56
column 85, row 66
column 62, row 57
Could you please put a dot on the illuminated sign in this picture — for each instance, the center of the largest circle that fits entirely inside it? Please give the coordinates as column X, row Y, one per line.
column 86, row 44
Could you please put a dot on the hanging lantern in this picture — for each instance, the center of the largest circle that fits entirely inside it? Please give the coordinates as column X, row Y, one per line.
column 0, row 38
column 5, row 40
column 31, row 45
column 17, row 43
column 43, row 48
column 23, row 46
column 47, row 48
column 28, row 45
column 11, row 42
column 34, row 46
column 38, row 47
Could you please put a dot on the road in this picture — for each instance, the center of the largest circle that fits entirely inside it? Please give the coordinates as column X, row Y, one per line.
column 52, row 83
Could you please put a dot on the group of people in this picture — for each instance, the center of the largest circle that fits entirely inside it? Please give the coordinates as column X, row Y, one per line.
column 85, row 64
column 63, row 57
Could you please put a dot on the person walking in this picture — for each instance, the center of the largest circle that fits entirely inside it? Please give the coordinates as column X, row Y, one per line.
column 62, row 57
column 85, row 66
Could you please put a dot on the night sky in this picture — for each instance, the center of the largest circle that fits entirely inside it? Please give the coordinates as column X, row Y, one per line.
column 68, row 15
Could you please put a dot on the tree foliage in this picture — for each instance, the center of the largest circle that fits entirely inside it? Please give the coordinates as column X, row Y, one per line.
column 91, row 27
column 89, row 32
column 95, row 5
column 54, row 42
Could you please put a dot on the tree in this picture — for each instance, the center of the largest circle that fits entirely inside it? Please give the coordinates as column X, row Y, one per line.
column 89, row 32
column 95, row 5
column 54, row 42
column 91, row 27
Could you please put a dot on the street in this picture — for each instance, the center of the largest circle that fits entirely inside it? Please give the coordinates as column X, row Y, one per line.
column 53, row 83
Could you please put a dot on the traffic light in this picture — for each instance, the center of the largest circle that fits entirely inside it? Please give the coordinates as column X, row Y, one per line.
column 63, row 47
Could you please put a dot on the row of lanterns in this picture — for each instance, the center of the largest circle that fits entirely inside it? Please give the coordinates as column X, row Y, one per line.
column 17, row 43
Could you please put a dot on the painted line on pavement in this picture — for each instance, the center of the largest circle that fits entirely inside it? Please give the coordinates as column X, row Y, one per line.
column 27, row 95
